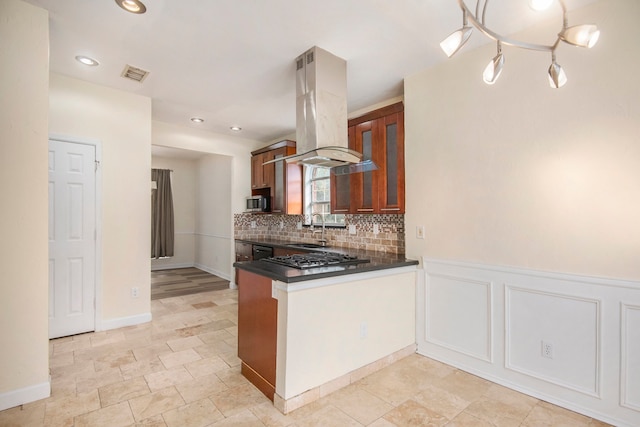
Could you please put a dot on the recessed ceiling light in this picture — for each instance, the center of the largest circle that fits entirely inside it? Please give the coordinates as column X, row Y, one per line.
column 86, row 60
column 235, row 128
column 197, row 120
column 133, row 6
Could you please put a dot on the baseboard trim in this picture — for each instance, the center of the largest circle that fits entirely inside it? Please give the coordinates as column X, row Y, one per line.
column 218, row 273
column 172, row 266
column 24, row 395
column 121, row 322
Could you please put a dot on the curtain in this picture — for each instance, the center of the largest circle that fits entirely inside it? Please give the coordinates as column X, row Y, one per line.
column 161, row 214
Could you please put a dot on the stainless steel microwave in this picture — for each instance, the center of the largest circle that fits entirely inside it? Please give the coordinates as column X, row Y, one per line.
column 257, row 204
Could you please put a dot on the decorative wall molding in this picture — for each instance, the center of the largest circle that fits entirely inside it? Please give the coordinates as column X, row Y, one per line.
column 540, row 371
column 483, row 307
column 630, row 355
column 592, row 323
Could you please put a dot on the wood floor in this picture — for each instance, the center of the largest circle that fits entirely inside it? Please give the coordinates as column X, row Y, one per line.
column 184, row 281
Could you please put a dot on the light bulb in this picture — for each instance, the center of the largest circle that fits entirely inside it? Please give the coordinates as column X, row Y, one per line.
column 540, row 5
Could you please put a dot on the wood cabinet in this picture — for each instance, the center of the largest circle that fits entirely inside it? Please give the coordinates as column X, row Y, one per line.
column 257, row 331
column 262, row 175
column 281, row 182
column 379, row 136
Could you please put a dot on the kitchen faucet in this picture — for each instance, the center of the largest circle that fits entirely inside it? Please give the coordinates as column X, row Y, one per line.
column 322, row 240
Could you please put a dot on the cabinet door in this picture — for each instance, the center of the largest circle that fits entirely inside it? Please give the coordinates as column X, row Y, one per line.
column 341, row 185
column 390, row 161
column 268, row 171
column 364, row 186
column 256, row 171
column 262, row 176
column 278, row 191
column 286, row 191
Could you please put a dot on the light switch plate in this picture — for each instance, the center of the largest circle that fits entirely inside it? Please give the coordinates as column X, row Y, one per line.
column 420, row 231
column 376, row 229
column 352, row 229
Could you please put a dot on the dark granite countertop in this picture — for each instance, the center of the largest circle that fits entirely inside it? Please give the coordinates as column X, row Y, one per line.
column 377, row 261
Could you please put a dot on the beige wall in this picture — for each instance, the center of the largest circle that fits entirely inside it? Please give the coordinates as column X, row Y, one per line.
column 24, row 359
column 183, row 186
column 236, row 180
column 520, row 174
column 121, row 121
column 214, row 237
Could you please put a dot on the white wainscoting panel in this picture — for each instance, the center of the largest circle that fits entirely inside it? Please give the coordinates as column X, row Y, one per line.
column 630, row 350
column 458, row 314
column 491, row 321
column 553, row 337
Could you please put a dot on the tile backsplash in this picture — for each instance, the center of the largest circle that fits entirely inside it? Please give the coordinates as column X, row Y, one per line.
column 389, row 237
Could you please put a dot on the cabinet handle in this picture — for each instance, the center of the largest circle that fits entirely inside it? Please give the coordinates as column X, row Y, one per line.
column 341, row 210
column 390, row 209
column 277, row 211
column 364, row 210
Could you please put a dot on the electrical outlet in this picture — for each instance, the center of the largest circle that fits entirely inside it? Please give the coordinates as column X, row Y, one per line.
column 135, row 292
column 281, row 225
column 299, row 226
column 376, row 229
column 352, row 229
column 420, row 231
column 253, row 224
column 547, row 350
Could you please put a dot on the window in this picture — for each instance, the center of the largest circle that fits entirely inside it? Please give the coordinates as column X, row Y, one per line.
column 317, row 192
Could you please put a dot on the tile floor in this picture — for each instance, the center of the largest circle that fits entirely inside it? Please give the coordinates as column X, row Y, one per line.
column 181, row 370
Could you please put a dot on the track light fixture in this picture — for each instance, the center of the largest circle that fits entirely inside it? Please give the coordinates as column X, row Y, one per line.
column 585, row 35
column 494, row 67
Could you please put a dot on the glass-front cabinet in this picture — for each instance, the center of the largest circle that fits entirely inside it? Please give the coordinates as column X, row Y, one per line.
column 379, row 136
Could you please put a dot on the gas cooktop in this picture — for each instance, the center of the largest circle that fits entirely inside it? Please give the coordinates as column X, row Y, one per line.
column 315, row 259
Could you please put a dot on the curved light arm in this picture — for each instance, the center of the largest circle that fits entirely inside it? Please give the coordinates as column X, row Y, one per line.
column 506, row 40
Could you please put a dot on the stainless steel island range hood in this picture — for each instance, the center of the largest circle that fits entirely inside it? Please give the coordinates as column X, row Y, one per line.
column 321, row 113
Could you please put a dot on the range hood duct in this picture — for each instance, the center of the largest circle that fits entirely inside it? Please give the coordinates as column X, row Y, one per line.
column 321, row 114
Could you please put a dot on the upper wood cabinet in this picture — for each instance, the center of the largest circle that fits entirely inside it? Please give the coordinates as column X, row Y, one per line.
column 280, row 181
column 261, row 175
column 379, row 136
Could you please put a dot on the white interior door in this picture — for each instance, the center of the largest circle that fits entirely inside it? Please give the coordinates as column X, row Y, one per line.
column 72, row 244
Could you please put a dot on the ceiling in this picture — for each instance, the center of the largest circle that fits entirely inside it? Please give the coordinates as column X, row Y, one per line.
column 231, row 62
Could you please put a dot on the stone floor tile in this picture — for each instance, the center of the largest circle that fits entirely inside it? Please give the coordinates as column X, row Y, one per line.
column 201, row 387
column 185, row 343
column 171, row 360
column 197, row 414
column 328, row 416
column 23, row 416
column 155, row 403
column 161, row 379
column 465, row 419
column 113, row 416
column 59, row 410
column 441, row 401
column 410, row 413
column 207, row 366
column 121, row 391
column 241, row 419
column 237, row 399
column 359, row 404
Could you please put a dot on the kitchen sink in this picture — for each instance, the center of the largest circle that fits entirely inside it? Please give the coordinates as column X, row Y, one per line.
column 307, row 245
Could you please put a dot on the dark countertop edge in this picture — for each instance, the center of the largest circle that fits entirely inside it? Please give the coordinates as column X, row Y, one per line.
column 260, row 268
column 287, row 244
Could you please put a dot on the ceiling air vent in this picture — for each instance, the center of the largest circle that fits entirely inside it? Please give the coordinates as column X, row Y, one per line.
column 133, row 73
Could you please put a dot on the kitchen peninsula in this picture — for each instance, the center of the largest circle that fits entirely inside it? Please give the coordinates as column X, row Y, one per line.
column 304, row 333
